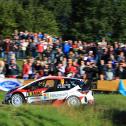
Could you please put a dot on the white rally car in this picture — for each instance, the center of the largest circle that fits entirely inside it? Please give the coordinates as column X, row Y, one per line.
column 51, row 89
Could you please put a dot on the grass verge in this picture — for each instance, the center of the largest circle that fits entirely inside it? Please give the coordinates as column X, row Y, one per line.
column 109, row 110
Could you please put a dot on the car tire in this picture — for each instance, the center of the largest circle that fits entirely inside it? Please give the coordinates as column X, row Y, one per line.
column 73, row 101
column 17, row 99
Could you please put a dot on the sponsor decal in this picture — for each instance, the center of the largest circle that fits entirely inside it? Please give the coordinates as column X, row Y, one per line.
column 34, row 99
column 39, row 93
column 58, row 95
column 46, row 96
column 35, row 93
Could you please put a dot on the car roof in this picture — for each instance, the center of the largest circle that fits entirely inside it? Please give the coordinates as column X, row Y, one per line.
column 49, row 77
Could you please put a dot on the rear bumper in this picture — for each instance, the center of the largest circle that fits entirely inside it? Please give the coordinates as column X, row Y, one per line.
column 91, row 102
column 86, row 100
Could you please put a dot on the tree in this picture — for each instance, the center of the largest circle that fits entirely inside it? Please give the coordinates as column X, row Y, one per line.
column 7, row 18
column 39, row 19
column 62, row 11
column 119, row 20
column 90, row 18
column 29, row 16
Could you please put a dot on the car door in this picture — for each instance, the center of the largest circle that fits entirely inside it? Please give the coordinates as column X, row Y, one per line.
column 59, row 91
column 41, row 91
column 35, row 91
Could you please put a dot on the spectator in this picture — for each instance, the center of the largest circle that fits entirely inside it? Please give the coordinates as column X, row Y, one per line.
column 40, row 35
column 101, row 69
column 40, row 48
column 46, row 70
column 12, row 69
column 59, row 55
column 25, row 70
column 71, row 70
column 8, row 47
column 23, row 47
column 66, row 48
column 31, row 49
column 2, row 69
column 70, row 58
column 105, row 55
column 120, row 72
column 81, row 69
column 91, row 71
column 72, row 55
column 17, row 47
column 109, row 73
column 121, row 56
column 61, row 69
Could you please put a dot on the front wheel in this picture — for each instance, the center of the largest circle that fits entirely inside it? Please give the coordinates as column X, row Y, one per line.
column 73, row 101
column 17, row 99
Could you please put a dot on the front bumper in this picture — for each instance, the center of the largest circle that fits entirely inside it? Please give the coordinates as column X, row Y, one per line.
column 7, row 99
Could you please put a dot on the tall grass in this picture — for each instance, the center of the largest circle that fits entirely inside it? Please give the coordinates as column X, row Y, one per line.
column 108, row 110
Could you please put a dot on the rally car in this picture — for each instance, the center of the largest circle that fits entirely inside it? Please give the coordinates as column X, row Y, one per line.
column 51, row 89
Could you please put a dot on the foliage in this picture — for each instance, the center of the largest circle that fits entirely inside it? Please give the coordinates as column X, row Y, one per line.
column 62, row 10
column 14, row 15
column 103, row 112
column 89, row 20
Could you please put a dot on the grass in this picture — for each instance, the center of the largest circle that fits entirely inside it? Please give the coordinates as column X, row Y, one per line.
column 109, row 110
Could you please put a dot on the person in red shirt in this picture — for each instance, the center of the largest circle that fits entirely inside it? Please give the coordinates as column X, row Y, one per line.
column 25, row 70
column 40, row 49
column 28, row 69
column 71, row 70
column 75, row 46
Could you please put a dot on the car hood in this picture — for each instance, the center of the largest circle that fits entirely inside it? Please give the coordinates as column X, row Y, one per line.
column 12, row 90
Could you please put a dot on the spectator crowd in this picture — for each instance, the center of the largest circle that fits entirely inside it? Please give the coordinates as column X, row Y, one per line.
column 43, row 55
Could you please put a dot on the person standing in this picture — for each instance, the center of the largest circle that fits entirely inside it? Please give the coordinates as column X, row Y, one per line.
column 40, row 49
column 2, row 69
column 12, row 69
column 120, row 72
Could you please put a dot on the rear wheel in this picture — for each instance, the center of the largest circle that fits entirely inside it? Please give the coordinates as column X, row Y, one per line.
column 73, row 101
column 17, row 99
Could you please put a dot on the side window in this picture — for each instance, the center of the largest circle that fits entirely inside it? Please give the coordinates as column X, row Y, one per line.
column 83, row 85
column 73, row 82
column 36, row 85
column 60, row 85
column 63, row 84
column 51, row 85
column 68, row 84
